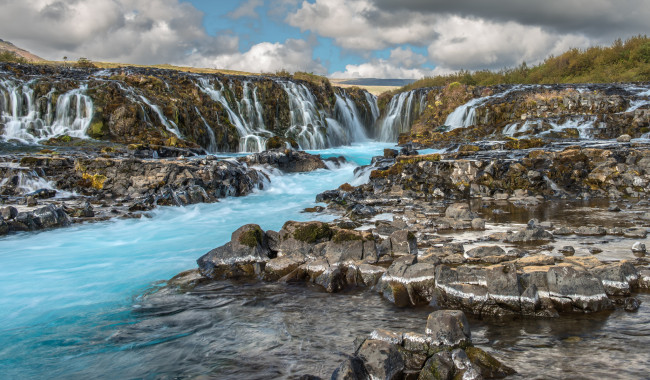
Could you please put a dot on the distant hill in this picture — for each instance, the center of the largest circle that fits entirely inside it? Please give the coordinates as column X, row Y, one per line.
column 375, row 82
column 6, row 46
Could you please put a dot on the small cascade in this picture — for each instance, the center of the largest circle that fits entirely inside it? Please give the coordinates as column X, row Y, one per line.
column 465, row 115
column 212, row 148
column 347, row 114
column 374, row 108
column 585, row 126
column 243, row 115
column 514, row 128
column 403, row 109
column 169, row 124
column 21, row 181
column 30, row 119
column 308, row 126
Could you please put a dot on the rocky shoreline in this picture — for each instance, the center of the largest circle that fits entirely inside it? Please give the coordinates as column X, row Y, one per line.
column 50, row 190
column 440, row 246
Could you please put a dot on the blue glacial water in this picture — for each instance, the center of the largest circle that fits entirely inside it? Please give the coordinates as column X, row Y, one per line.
column 74, row 304
column 59, row 286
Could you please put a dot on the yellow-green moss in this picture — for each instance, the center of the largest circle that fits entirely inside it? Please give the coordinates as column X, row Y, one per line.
column 96, row 181
column 312, row 232
column 252, row 238
column 343, row 236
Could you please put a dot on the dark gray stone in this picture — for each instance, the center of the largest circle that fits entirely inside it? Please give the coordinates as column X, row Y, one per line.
column 403, row 243
column 449, row 328
column 485, row 250
column 381, row 360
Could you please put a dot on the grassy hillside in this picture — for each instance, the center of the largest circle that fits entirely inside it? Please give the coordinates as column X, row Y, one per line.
column 627, row 61
column 11, row 53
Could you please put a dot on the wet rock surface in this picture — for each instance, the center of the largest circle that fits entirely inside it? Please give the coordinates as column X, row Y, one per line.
column 86, row 185
column 486, row 281
column 444, row 351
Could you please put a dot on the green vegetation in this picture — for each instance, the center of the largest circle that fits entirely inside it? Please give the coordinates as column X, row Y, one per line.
column 627, row 61
column 85, row 63
column 312, row 232
column 342, row 236
column 252, row 237
column 10, row 56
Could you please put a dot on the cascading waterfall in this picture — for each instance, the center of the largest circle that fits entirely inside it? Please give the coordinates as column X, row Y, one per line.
column 250, row 139
column 169, row 124
column 212, row 148
column 374, row 108
column 465, row 115
column 31, row 120
column 308, row 126
column 29, row 115
column 403, row 109
column 346, row 112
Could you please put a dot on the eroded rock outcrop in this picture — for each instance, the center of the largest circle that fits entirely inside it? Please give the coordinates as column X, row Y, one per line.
column 483, row 281
column 444, row 351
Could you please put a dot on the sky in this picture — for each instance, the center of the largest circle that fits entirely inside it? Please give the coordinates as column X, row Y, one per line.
column 406, row 39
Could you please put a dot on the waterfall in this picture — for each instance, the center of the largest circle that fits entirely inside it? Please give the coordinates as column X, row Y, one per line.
column 372, row 103
column 212, row 148
column 308, row 126
column 403, row 109
column 168, row 124
column 465, row 115
column 30, row 114
column 346, row 112
column 249, row 138
column 31, row 120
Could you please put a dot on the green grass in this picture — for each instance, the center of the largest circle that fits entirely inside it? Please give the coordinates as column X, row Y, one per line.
column 627, row 61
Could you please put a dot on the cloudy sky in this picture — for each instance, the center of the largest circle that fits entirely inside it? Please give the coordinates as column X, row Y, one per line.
column 339, row 38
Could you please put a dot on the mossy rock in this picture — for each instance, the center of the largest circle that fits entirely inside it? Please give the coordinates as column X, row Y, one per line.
column 29, row 161
column 96, row 181
column 277, row 142
column 490, row 367
column 253, row 237
column 312, row 232
column 346, row 187
column 344, row 235
column 469, row 148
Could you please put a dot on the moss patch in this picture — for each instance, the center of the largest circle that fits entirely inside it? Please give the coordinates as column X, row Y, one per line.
column 96, row 181
column 312, row 232
column 343, row 236
column 252, row 238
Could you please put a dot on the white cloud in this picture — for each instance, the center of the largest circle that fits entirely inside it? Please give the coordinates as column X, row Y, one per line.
column 402, row 63
column 141, row 32
column 292, row 55
column 357, row 25
column 470, row 43
column 247, row 9
column 454, row 42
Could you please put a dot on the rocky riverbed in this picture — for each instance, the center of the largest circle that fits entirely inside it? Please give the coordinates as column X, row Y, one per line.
column 51, row 189
column 534, row 234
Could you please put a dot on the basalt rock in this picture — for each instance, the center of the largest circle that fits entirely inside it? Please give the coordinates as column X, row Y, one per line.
column 576, row 172
column 286, row 160
column 445, row 351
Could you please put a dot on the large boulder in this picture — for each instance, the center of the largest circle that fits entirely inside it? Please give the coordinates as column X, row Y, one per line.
column 449, row 328
column 403, row 242
column 571, row 288
column 382, row 360
column 530, row 235
column 287, row 160
column 243, row 256
column 460, row 211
